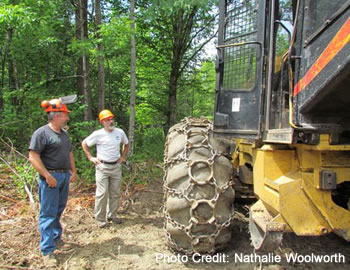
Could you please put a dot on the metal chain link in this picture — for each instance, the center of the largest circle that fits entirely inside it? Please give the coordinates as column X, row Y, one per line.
column 185, row 129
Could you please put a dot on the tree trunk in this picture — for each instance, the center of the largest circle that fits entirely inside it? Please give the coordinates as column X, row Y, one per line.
column 78, row 33
column 3, row 54
column 172, row 99
column 101, row 70
column 83, row 62
column 133, row 79
column 182, row 27
column 12, row 69
column 11, row 66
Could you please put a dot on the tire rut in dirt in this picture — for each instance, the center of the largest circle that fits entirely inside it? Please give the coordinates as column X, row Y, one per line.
column 198, row 193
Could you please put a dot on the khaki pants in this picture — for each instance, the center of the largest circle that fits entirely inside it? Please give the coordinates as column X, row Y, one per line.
column 108, row 178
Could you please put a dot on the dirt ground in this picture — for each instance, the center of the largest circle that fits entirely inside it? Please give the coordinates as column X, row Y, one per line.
column 140, row 243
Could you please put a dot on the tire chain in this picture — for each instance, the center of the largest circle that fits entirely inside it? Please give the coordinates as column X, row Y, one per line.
column 182, row 157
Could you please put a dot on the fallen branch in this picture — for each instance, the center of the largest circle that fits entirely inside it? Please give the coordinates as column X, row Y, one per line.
column 8, row 199
column 66, row 262
column 3, row 215
column 12, row 267
column 110, row 253
column 87, row 211
column 30, row 195
column 12, row 148
column 152, row 191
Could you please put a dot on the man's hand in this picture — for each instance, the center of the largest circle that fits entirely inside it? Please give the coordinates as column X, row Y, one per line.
column 51, row 181
column 73, row 175
column 124, row 153
column 121, row 160
column 95, row 160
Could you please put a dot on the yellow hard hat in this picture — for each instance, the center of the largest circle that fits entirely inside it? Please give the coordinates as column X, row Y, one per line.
column 105, row 114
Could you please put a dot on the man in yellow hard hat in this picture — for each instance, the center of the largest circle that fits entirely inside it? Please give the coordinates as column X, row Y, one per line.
column 108, row 167
column 50, row 153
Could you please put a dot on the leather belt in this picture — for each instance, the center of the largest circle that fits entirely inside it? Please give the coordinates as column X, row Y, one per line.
column 54, row 171
column 108, row 162
column 58, row 170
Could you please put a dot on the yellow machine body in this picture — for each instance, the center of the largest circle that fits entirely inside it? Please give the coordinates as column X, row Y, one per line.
column 294, row 185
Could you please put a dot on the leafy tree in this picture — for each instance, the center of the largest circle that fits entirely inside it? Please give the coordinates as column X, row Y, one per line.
column 40, row 52
column 177, row 32
column 37, row 48
column 83, row 64
column 197, row 93
column 132, row 78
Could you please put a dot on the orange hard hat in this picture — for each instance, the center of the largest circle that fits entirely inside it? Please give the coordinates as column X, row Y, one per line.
column 54, row 105
column 105, row 114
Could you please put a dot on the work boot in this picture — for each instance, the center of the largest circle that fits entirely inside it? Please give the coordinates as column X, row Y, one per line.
column 63, row 246
column 50, row 260
column 115, row 220
column 102, row 224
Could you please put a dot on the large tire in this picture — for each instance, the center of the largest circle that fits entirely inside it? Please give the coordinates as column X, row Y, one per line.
column 198, row 193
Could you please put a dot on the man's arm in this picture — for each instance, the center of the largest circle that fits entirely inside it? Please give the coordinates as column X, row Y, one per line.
column 35, row 160
column 124, row 153
column 87, row 152
column 73, row 170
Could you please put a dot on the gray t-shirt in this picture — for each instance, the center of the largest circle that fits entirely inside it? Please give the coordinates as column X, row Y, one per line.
column 54, row 148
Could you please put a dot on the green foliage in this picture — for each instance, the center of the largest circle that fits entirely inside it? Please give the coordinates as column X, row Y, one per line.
column 170, row 6
column 16, row 16
column 85, row 168
column 115, row 35
column 141, row 173
column 176, row 32
column 26, row 174
column 197, row 94
column 23, row 174
column 79, row 47
column 19, row 122
column 39, row 38
column 77, row 132
column 149, row 143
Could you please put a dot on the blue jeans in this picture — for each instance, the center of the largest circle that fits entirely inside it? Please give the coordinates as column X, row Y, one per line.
column 52, row 204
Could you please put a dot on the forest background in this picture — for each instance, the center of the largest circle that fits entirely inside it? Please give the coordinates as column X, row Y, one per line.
column 145, row 60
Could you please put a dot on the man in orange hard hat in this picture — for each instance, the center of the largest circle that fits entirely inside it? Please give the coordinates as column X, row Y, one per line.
column 50, row 153
column 108, row 167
